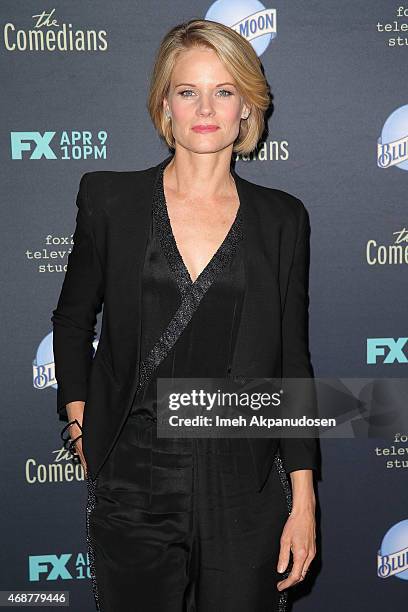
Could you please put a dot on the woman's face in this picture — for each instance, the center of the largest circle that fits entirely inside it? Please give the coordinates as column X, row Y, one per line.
column 202, row 92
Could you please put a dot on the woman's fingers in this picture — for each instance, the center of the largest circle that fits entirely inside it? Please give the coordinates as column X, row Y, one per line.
column 306, row 565
column 298, row 536
column 284, row 554
column 78, row 448
column 299, row 557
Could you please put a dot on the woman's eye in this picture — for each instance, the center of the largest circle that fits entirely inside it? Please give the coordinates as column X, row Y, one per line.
column 223, row 91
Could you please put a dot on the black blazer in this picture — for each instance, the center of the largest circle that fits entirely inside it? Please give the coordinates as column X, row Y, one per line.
column 104, row 268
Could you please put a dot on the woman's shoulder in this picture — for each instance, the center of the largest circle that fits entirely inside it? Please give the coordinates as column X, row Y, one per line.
column 103, row 189
column 98, row 179
column 278, row 202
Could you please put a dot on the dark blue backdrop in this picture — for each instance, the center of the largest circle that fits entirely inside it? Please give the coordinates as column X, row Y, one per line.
column 338, row 77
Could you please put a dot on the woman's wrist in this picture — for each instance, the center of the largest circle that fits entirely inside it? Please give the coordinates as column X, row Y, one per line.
column 303, row 495
column 75, row 410
column 303, row 508
column 70, row 435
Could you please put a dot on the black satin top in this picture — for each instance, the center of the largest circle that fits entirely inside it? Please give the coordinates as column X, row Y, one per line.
column 205, row 343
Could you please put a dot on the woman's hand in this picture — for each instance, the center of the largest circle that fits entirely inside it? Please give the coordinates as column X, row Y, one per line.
column 299, row 532
column 298, row 536
column 78, row 447
column 75, row 410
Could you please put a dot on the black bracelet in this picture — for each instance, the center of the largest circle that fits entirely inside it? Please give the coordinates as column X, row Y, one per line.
column 68, row 438
column 75, row 457
column 71, row 448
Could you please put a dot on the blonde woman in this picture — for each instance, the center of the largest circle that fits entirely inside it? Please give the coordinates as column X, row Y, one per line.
column 201, row 274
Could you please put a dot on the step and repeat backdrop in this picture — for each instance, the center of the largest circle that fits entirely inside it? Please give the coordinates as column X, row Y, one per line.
column 75, row 77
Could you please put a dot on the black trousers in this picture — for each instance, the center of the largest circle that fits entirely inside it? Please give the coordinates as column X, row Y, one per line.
column 177, row 525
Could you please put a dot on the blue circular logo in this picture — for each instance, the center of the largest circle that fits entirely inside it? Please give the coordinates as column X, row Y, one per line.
column 392, row 557
column 392, row 146
column 247, row 17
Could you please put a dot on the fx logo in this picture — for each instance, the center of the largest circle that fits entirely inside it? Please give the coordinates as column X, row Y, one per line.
column 50, row 566
column 38, row 144
column 376, row 348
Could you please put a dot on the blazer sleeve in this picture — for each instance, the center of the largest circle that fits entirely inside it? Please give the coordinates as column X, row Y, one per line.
column 75, row 316
column 298, row 453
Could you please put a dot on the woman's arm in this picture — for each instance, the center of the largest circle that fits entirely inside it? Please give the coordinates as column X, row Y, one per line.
column 80, row 301
column 299, row 455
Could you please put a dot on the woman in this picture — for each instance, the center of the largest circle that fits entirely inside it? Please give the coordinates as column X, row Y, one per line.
column 202, row 274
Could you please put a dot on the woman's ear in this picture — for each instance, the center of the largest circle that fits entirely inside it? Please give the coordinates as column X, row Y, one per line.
column 246, row 111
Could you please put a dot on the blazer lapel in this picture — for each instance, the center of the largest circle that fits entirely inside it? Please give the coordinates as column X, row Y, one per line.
column 258, row 331
column 134, row 231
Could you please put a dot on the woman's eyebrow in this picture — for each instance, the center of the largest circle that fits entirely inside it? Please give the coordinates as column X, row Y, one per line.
column 192, row 84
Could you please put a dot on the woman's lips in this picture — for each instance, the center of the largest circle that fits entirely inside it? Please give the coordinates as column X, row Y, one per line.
column 205, row 128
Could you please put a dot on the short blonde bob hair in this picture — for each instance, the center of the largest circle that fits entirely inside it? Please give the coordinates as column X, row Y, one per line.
column 241, row 61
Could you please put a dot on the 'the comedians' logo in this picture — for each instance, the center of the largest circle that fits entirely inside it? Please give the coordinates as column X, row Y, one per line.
column 49, row 34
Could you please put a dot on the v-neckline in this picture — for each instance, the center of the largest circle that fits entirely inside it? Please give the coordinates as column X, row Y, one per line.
column 187, row 281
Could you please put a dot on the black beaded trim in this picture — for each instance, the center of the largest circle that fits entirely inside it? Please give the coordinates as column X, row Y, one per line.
column 169, row 244
column 283, row 597
column 192, row 292
column 91, row 501
column 166, row 236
